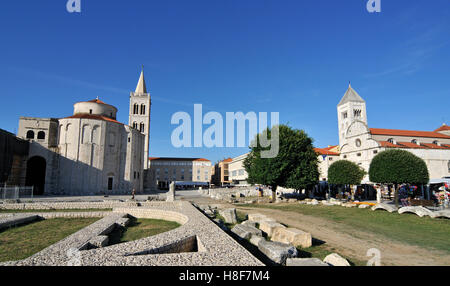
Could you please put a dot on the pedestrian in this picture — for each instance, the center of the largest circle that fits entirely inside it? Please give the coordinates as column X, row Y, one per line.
column 133, row 193
column 378, row 188
column 403, row 195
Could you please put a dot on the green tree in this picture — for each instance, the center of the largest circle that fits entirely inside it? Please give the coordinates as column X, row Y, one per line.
column 345, row 173
column 295, row 166
column 398, row 167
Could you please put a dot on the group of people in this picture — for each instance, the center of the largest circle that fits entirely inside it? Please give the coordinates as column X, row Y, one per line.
column 405, row 193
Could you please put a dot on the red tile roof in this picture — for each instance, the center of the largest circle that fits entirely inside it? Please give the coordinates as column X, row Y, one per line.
column 407, row 133
column 326, row 151
column 443, row 128
column 409, row 145
column 93, row 116
column 97, row 101
column 178, row 159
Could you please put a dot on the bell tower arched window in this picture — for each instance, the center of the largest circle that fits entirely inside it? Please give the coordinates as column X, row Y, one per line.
column 142, row 109
column 30, row 134
column 41, row 135
column 136, row 109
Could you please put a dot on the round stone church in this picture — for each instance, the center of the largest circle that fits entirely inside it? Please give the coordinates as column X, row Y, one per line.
column 89, row 152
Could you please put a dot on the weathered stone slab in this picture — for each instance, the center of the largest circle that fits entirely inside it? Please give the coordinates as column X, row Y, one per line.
column 386, row 207
column 292, row 236
column 277, row 251
column 441, row 214
column 269, row 226
column 248, row 222
column 246, row 231
column 99, row 241
column 305, row 262
column 18, row 219
column 313, row 202
column 255, row 240
column 363, row 206
column 325, row 203
column 349, row 205
column 229, row 215
column 418, row 210
column 335, row 259
column 257, row 217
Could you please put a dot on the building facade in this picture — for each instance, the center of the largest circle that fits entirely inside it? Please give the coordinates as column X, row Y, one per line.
column 89, row 152
column 238, row 174
column 360, row 144
column 185, row 172
column 326, row 157
column 221, row 173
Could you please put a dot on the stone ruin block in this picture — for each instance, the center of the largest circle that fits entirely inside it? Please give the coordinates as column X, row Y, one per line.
column 292, row 236
column 276, row 251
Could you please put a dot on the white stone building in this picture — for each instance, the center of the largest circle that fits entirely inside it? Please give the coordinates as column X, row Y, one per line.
column 89, row 152
column 238, row 174
column 360, row 144
column 326, row 157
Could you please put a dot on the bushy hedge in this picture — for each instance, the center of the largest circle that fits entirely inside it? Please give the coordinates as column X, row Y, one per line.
column 345, row 173
column 398, row 167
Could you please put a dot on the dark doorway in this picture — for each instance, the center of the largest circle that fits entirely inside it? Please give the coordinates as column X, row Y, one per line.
column 110, row 183
column 36, row 167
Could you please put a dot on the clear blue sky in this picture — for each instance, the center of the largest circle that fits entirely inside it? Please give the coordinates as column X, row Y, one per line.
column 291, row 56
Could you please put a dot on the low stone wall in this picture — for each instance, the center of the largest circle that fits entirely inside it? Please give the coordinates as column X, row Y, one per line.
column 227, row 194
column 65, row 205
column 154, row 213
column 10, row 221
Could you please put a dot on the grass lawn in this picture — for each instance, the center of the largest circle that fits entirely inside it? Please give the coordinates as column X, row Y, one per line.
column 54, row 210
column 142, row 228
column 322, row 250
column 21, row 242
column 409, row 228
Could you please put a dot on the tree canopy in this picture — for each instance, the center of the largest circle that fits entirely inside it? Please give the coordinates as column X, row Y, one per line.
column 295, row 166
column 398, row 167
column 345, row 173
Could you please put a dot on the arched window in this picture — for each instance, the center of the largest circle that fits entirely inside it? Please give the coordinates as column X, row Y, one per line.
column 142, row 109
column 435, row 142
column 41, row 135
column 30, row 134
column 414, row 141
column 391, row 140
column 136, row 109
column 142, row 127
column 135, row 125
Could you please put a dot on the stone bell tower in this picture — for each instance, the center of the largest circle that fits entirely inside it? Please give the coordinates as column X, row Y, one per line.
column 140, row 107
column 351, row 108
